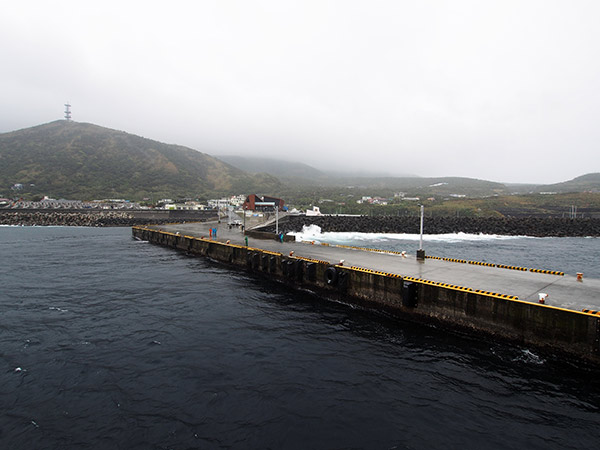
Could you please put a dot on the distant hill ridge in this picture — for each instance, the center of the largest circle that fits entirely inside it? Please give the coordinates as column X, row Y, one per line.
column 275, row 167
column 85, row 161
column 301, row 175
column 66, row 159
column 589, row 182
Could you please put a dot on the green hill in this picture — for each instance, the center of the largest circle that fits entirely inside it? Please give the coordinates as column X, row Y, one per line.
column 283, row 170
column 66, row 159
column 299, row 176
column 585, row 183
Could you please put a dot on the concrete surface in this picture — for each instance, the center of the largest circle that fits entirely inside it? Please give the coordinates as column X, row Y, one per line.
column 563, row 291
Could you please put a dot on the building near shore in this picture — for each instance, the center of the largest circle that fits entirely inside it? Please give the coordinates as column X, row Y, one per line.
column 234, row 200
column 255, row 203
column 186, row 206
column 315, row 211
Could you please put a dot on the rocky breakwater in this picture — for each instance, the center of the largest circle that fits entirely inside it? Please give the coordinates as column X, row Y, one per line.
column 70, row 218
column 512, row 226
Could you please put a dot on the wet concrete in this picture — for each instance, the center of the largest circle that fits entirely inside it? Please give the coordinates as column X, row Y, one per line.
column 563, row 291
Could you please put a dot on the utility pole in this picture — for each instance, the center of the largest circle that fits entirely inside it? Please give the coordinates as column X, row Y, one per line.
column 421, row 252
column 573, row 214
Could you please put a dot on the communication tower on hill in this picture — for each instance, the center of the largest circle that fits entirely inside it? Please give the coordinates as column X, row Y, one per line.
column 67, row 111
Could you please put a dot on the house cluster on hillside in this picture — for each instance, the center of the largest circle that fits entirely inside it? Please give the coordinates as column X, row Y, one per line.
column 50, row 203
column 373, row 200
column 216, row 203
column 250, row 202
column 401, row 196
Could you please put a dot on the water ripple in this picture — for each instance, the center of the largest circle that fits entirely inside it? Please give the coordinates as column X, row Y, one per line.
column 112, row 344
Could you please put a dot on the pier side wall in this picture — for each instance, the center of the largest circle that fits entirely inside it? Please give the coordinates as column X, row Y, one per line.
column 264, row 235
column 569, row 332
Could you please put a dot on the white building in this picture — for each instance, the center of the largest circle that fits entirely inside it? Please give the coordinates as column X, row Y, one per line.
column 315, row 211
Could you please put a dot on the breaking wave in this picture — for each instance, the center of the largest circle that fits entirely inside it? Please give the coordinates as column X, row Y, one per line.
column 314, row 233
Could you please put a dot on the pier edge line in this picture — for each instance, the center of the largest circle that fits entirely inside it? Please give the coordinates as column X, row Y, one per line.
column 455, row 260
column 499, row 266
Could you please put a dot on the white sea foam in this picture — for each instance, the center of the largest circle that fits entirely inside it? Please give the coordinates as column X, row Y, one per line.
column 527, row 356
column 314, row 233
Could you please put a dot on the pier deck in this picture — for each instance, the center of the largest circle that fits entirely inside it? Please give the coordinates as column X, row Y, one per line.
column 564, row 291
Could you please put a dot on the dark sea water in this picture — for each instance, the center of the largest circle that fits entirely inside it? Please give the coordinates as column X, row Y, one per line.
column 110, row 343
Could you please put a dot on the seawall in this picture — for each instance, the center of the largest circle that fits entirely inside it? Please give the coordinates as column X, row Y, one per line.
column 100, row 217
column 575, row 335
column 521, row 226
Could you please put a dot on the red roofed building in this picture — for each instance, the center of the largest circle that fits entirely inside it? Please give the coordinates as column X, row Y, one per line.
column 255, row 203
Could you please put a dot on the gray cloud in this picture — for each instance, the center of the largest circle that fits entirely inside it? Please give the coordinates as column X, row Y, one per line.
column 504, row 90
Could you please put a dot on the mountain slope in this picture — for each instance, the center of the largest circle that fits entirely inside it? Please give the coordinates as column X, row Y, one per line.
column 276, row 167
column 300, row 175
column 80, row 160
column 585, row 183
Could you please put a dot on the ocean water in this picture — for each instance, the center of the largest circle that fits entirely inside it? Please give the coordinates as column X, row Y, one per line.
column 569, row 255
column 111, row 343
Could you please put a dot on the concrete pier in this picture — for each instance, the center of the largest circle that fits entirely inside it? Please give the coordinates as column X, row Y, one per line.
column 498, row 301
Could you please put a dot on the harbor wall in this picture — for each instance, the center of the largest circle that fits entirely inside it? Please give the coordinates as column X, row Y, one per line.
column 511, row 226
column 573, row 334
column 92, row 217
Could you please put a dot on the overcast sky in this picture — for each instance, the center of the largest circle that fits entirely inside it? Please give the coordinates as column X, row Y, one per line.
column 498, row 90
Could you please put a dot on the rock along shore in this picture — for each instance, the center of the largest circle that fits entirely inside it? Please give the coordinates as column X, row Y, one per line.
column 512, row 226
column 63, row 218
